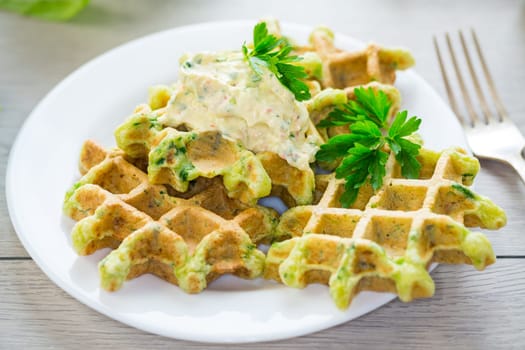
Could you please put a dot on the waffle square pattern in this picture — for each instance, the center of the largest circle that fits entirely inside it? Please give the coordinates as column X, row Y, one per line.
column 188, row 242
column 387, row 240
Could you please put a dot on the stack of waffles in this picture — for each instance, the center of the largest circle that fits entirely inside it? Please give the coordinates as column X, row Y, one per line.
column 183, row 205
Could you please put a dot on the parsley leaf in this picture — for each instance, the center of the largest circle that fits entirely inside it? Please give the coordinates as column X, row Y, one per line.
column 375, row 105
column 338, row 117
column 369, row 105
column 274, row 54
column 336, row 148
column 405, row 150
column 363, row 149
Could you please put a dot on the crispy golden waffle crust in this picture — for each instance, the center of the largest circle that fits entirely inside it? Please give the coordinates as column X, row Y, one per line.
column 343, row 69
column 185, row 241
column 386, row 241
column 292, row 185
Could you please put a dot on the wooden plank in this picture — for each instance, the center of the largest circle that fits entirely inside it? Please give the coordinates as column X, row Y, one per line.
column 471, row 310
column 9, row 243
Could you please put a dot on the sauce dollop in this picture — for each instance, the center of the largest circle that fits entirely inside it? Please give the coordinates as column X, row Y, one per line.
column 220, row 91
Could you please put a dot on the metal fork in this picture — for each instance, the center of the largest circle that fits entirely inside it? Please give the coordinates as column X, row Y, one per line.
column 491, row 135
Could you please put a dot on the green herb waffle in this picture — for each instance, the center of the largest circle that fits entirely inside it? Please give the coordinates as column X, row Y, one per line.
column 386, row 240
column 176, row 239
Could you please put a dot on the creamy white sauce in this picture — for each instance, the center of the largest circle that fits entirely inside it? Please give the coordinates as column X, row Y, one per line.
column 220, row 91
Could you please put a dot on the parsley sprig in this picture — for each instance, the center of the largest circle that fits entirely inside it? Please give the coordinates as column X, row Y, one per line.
column 274, row 54
column 362, row 151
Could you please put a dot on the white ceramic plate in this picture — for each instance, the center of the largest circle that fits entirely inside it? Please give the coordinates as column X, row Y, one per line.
column 90, row 103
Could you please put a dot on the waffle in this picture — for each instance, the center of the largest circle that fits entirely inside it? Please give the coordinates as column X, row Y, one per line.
column 245, row 177
column 386, row 240
column 292, row 185
column 180, row 240
column 343, row 69
column 114, row 173
column 188, row 246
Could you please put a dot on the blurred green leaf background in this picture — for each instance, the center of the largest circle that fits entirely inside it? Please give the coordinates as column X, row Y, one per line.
column 52, row 10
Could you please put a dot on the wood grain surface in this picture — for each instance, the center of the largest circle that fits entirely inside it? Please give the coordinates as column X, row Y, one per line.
column 36, row 313
column 470, row 309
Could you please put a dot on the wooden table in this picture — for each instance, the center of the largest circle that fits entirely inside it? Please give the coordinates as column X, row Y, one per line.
column 471, row 310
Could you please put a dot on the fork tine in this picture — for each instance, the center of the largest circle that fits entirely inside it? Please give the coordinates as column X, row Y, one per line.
column 450, row 94
column 492, row 87
column 477, row 87
column 473, row 116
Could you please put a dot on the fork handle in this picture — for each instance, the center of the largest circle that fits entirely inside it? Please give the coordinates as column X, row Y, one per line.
column 518, row 163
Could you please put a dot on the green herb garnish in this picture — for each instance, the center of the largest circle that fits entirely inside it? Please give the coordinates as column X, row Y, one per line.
column 362, row 150
column 274, row 54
